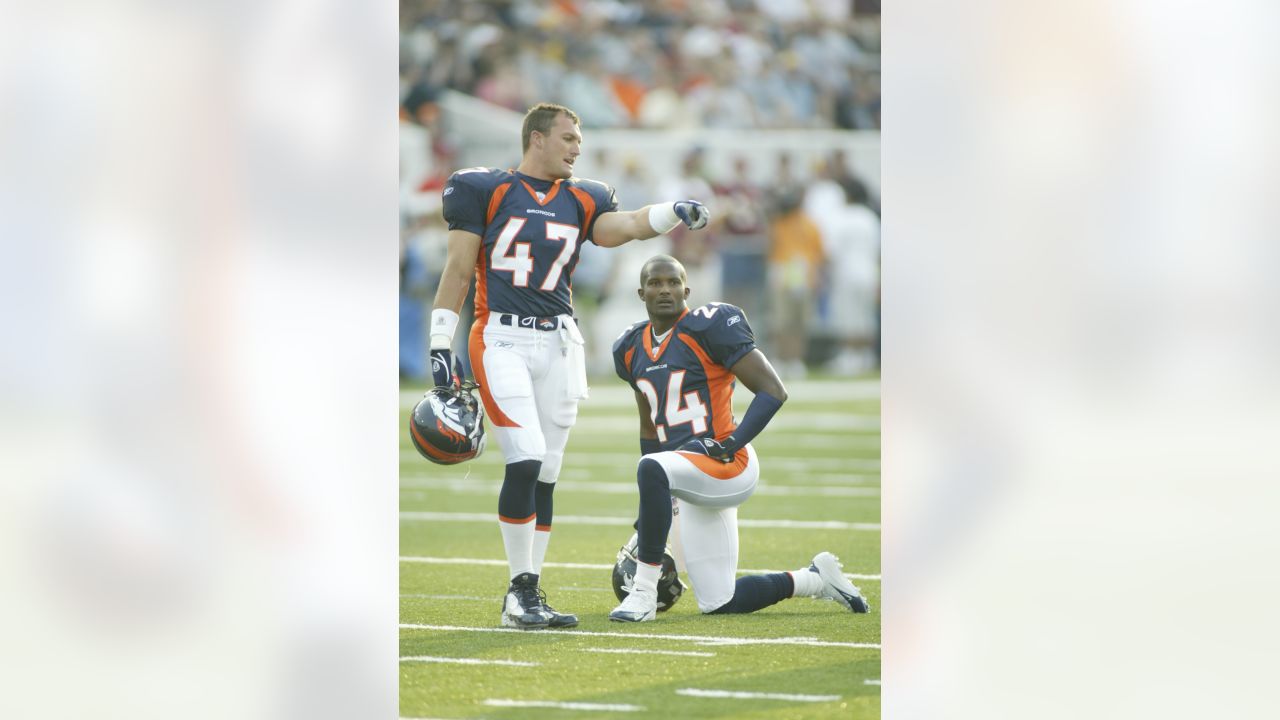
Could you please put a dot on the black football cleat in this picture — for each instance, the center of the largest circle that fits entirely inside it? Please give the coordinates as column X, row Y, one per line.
column 522, row 607
column 556, row 619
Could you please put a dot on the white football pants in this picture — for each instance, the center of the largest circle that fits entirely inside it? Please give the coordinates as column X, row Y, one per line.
column 705, row 495
column 530, row 382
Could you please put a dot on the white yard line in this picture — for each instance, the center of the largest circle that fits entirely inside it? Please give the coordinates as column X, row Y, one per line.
column 603, row 707
column 627, row 521
column 696, row 639
column 870, row 682
column 492, row 487
column 629, row 651
column 579, row 566
column 444, row 597
column 738, row 695
column 468, row 661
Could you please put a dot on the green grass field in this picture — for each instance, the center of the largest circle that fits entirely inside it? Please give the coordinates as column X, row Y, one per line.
column 819, row 464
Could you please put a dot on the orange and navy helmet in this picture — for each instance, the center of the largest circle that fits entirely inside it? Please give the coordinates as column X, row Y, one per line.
column 447, row 425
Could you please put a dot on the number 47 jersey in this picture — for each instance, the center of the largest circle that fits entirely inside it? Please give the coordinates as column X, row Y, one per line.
column 686, row 376
column 531, row 232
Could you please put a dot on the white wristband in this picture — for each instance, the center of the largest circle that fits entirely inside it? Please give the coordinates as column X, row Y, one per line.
column 663, row 218
column 443, row 324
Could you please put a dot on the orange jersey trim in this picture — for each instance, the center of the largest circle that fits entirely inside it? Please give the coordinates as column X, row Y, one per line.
column 495, row 200
column 715, row 468
column 720, row 385
column 588, row 206
column 482, row 280
column 555, row 188
column 475, row 344
column 647, row 340
column 542, row 528
column 516, row 521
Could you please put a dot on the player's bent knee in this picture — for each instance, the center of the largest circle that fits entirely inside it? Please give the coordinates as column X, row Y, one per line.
column 650, row 473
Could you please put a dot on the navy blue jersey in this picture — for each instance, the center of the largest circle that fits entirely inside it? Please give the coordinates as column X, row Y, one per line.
column 530, row 243
column 686, row 378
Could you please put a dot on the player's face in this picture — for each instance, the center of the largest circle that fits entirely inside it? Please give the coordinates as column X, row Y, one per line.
column 664, row 293
column 561, row 147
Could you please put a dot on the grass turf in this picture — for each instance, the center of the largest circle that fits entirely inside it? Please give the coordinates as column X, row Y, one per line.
column 821, row 470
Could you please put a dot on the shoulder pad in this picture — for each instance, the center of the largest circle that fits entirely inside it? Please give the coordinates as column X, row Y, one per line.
column 627, row 336
column 482, row 178
column 602, row 192
column 711, row 315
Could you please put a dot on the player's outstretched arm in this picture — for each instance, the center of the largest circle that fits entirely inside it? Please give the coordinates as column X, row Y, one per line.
column 619, row 228
column 454, row 283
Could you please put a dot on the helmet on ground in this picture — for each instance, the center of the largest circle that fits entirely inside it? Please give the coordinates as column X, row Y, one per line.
column 447, row 424
column 624, row 572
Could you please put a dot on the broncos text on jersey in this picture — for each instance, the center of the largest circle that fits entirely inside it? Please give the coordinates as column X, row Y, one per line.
column 531, row 231
column 686, row 377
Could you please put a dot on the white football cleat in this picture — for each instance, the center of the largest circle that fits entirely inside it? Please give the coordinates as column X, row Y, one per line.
column 639, row 606
column 835, row 586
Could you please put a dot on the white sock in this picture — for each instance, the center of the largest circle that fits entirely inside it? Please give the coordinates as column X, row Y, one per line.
column 808, row 583
column 647, row 577
column 517, row 540
column 540, row 540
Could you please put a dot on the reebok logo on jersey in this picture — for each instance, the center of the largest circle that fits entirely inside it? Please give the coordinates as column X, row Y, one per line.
column 733, row 320
column 540, row 212
column 447, row 191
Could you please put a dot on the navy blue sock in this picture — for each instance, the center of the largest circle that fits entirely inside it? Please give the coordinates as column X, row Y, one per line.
column 542, row 502
column 753, row 592
column 515, row 501
column 655, row 511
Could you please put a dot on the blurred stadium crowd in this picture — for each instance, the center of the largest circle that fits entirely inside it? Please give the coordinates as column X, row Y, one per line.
column 799, row 252
column 663, row 64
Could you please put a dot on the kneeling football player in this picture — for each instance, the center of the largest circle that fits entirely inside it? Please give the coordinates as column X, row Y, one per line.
column 682, row 366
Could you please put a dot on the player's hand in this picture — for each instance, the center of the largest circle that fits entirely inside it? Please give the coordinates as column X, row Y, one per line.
column 712, row 448
column 692, row 213
column 444, row 370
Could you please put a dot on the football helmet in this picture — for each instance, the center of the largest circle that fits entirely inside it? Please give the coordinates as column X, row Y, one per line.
column 447, row 424
column 624, row 572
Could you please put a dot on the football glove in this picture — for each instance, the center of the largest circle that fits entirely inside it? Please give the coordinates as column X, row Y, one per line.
column 445, row 368
column 712, row 448
column 692, row 213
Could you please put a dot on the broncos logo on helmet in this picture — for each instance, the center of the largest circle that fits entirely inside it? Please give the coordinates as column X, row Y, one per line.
column 447, row 424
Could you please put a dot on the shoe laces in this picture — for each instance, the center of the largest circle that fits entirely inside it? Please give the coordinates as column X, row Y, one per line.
column 530, row 596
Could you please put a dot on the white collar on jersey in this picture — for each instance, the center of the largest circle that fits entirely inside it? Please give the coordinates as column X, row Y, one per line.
column 657, row 339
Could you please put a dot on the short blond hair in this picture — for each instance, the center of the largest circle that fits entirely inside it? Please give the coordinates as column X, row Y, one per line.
column 540, row 117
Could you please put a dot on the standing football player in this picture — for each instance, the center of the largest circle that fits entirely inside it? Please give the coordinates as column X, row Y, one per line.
column 682, row 366
column 519, row 232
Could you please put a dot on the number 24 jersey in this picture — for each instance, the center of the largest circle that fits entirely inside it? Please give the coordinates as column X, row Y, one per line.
column 686, row 377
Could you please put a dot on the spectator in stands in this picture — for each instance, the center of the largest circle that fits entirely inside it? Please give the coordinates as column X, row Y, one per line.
column 851, row 238
column 797, row 63
column 743, row 239
column 795, row 257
